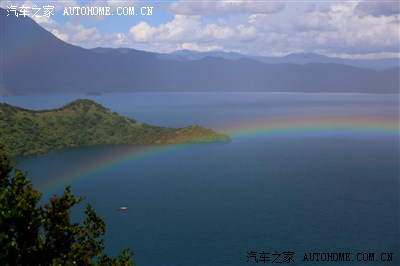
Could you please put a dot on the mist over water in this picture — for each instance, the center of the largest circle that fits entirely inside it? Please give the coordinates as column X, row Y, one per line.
column 211, row 204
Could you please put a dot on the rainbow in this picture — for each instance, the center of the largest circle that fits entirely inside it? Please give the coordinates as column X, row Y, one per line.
column 371, row 127
column 306, row 125
column 97, row 164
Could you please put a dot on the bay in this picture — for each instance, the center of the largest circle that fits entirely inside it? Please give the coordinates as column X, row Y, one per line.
column 211, row 204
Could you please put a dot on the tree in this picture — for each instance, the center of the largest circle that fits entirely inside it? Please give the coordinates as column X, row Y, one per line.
column 31, row 234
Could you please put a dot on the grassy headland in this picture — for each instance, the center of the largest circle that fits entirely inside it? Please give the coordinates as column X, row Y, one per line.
column 85, row 123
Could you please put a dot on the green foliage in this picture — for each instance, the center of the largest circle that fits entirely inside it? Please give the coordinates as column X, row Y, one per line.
column 44, row 235
column 85, row 123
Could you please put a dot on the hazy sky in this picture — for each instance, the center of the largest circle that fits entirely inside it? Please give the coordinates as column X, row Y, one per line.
column 356, row 29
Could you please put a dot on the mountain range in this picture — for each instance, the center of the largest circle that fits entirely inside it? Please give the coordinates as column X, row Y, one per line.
column 35, row 61
column 293, row 58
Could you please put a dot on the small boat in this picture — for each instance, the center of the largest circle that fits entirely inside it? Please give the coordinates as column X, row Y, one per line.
column 122, row 208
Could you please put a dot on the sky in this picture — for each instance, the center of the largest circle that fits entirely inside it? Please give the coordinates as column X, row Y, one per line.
column 347, row 29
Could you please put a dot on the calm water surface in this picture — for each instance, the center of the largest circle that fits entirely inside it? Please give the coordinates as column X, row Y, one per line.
column 210, row 204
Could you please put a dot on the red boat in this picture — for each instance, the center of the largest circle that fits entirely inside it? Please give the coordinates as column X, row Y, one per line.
column 122, row 208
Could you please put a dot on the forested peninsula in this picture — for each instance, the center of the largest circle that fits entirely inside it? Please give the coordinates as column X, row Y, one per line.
column 84, row 123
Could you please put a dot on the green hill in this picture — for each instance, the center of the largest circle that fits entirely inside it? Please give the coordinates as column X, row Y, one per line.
column 85, row 123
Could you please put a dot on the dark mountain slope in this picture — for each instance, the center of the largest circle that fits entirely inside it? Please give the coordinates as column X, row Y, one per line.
column 34, row 61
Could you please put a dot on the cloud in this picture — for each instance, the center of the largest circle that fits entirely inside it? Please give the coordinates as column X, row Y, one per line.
column 317, row 21
column 339, row 31
column 115, row 40
column 198, row 48
column 185, row 32
column 209, row 8
column 377, row 9
column 332, row 28
column 74, row 33
column 179, row 29
column 53, row 27
column 361, row 56
column 45, row 21
column 62, row 36
column 329, row 29
column 82, row 35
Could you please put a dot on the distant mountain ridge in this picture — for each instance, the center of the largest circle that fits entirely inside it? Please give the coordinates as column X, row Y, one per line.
column 85, row 123
column 35, row 61
column 293, row 58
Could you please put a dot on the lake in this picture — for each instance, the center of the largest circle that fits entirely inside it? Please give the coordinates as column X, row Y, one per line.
column 303, row 173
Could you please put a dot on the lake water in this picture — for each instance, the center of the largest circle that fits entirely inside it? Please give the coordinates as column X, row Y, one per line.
column 303, row 173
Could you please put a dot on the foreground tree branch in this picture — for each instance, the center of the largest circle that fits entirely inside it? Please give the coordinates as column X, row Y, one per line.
column 31, row 234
